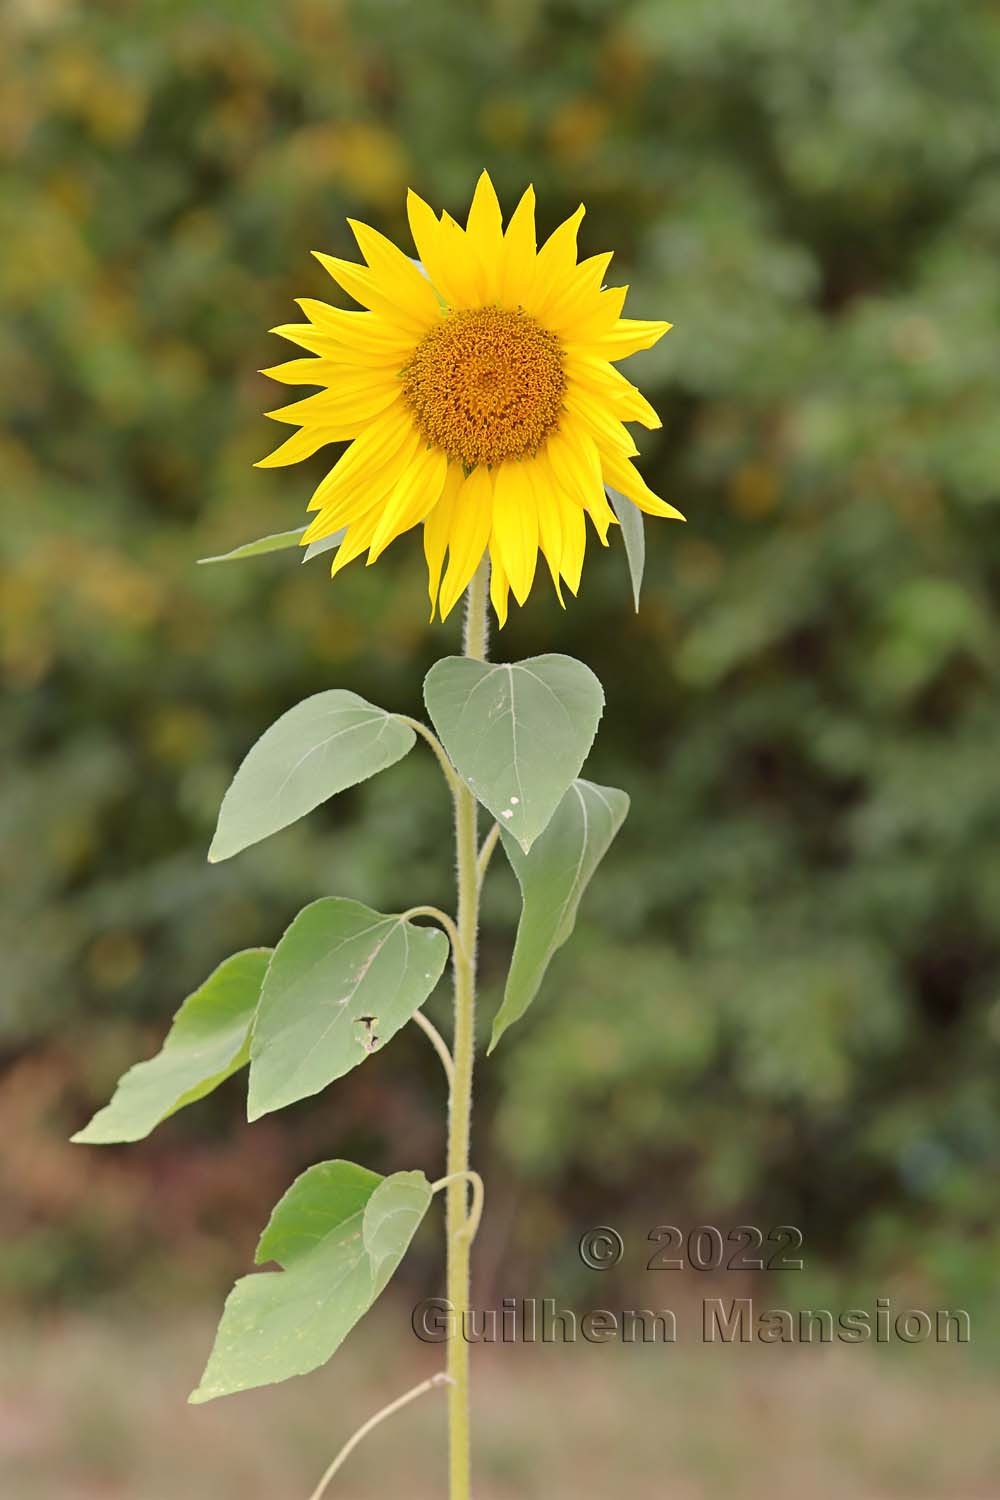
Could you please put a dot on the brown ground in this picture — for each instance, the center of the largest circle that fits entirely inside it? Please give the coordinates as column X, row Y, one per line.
column 95, row 1410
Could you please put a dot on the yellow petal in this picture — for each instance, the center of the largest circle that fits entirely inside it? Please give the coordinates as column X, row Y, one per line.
column 572, row 527
column 603, row 314
column 574, row 300
column 307, row 337
column 372, row 447
column 550, row 542
column 517, row 259
column 343, row 409
column 466, row 277
column 574, row 533
column 362, row 351
column 499, row 587
column 437, row 529
column 402, row 281
column 346, row 380
column 602, row 515
column 606, row 383
column 374, row 487
column 576, row 464
column 484, row 233
column 485, row 221
column 447, row 271
column 592, row 271
column 359, row 330
column 300, row 372
column 414, row 495
column 299, row 446
column 470, row 534
column 556, row 260
column 515, row 526
column 322, row 525
column 357, row 539
column 338, row 365
column 622, row 475
column 600, row 422
column 365, row 287
column 627, row 336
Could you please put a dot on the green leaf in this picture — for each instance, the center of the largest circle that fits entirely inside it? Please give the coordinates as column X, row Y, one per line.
column 322, row 745
column 339, row 1233
column 630, row 519
column 517, row 734
column 553, row 877
column 342, row 982
column 274, row 543
column 392, row 1217
column 207, row 1043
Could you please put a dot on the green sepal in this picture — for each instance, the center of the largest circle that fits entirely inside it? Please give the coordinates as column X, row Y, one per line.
column 276, row 542
column 279, row 541
column 634, row 536
column 324, row 544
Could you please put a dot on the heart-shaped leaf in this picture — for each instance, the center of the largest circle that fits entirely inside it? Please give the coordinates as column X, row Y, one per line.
column 553, row 877
column 207, row 1043
column 321, row 746
column 634, row 536
column 342, row 981
column 338, row 1233
column 517, row 734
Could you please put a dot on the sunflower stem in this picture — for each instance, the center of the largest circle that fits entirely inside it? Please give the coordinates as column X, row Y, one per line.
column 460, row 1098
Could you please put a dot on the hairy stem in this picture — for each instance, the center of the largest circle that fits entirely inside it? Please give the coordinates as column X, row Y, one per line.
column 460, row 1104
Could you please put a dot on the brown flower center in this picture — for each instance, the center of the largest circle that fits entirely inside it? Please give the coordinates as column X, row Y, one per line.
column 485, row 385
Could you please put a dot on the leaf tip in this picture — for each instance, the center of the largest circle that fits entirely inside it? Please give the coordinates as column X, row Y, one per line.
column 92, row 1134
column 259, row 1101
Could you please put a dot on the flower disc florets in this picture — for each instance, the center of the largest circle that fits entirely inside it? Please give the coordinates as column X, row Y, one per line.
column 486, row 384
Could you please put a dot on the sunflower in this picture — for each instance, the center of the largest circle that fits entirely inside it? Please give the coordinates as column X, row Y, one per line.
column 478, row 397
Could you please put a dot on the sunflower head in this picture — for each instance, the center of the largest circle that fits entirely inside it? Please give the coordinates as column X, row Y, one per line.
column 477, row 393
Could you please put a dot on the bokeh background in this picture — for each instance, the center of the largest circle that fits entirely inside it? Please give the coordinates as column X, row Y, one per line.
column 782, row 1004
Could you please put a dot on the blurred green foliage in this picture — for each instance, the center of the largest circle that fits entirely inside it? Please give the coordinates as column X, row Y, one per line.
column 785, row 1000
